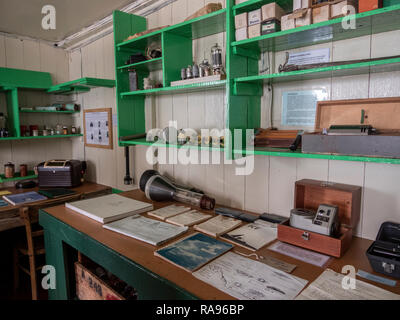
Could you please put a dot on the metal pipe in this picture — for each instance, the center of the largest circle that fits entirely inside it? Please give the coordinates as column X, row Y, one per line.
column 127, row 180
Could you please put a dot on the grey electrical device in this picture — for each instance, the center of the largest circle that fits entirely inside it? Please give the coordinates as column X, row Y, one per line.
column 324, row 221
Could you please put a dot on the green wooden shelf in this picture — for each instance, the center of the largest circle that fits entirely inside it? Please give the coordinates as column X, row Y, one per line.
column 275, row 152
column 17, row 177
column 24, row 79
column 185, row 88
column 148, row 65
column 143, row 142
column 42, row 137
column 48, row 111
column 367, row 23
column 80, row 85
column 199, row 27
column 387, row 65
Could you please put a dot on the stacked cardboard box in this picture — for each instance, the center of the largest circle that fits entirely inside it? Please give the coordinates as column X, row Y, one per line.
column 257, row 22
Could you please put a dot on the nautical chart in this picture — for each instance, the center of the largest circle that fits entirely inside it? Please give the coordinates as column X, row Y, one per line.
column 247, row 279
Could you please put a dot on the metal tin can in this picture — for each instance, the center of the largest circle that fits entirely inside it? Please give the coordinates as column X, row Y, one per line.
column 183, row 73
column 23, row 170
column 9, row 170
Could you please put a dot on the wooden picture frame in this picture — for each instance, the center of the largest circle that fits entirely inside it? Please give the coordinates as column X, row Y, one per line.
column 101, row 121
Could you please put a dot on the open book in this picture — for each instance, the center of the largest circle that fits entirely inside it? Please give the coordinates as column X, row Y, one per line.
column 109, row 208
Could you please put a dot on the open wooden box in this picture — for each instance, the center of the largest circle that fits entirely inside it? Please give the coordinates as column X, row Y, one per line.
column 381, row 113
column 309, row 194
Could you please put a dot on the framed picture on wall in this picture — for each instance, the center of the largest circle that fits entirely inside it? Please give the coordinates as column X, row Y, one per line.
column 98, row 128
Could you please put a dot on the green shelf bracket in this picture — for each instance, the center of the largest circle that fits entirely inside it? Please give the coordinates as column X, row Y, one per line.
column 17, row 177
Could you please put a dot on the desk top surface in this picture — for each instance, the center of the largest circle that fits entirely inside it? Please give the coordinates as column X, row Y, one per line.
column 143, row 253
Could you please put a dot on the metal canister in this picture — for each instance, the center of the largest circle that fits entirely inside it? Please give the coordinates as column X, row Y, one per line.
column 189, row 73
column 23, row 170
column 9, row 170
column 196, row 72
column 183, row 73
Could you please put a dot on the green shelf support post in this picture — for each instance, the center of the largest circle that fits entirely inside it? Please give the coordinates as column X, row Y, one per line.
column 13, row 112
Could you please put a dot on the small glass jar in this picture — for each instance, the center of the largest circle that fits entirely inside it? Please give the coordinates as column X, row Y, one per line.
column 65, row 130
column 58, row 130
column 73, row 130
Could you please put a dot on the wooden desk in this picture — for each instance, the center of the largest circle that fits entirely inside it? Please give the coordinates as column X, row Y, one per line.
column 9, row 216
column 134, row 262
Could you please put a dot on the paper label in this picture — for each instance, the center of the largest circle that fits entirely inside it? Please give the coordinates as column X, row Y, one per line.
column 308, row 57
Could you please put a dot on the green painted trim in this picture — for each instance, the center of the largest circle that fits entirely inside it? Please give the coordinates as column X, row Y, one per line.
column 42, row 137
column 26, row 79
column 12, row 112
column 189, row 87
column 113, row 190
column 17, row 177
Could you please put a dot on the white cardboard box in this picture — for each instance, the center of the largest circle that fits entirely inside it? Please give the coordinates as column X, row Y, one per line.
column 301, row 4
column 287, row 22
column 272, row 11
column 241, row 34
column 254, row 31
column 240, row 1
column 304, row 20
column 241, row 20
column 254, row 17
column 321, row 14
column 337, row 8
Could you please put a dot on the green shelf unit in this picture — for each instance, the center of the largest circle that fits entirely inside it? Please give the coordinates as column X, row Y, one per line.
column 243, row 84
column 48, row 111
column 17, row 177
column 179, row 89
column 42, row 137
column 275, row 152
column 80, row 85
column 379, row 66
column 367, row 23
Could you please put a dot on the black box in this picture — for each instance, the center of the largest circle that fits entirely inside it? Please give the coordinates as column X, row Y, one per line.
column 384, row 253
column 60, row 173
column 270, row 26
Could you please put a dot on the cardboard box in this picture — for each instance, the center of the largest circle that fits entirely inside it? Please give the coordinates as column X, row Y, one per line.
column 254, row 17
column 288, row 22
column 272, row 11
column 241, row 34
column 368, row 5
column 301, row 4
column 321, row 14
column 304, row 18
column 254, row 31
column 270, row 26
column 241, row 20
column 309, row 194
column 338, row 8
column 240, row 1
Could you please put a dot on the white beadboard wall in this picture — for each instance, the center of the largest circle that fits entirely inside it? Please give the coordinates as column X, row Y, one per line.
column 270, row 188
column 37, row 56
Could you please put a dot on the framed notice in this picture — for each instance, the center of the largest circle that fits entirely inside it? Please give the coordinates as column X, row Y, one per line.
column 98, row 128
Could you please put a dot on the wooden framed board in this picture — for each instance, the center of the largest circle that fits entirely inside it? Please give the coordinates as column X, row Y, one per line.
column 98, row 129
